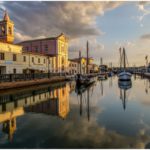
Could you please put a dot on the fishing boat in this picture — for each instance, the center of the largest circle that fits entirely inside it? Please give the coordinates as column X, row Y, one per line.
column 124, row 75
column 84, row 79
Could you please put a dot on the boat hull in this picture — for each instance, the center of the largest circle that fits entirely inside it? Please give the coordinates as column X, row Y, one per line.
column 81, row 80
column 124, row 76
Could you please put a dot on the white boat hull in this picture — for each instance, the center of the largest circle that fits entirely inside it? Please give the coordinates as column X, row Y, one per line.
column 124, row 76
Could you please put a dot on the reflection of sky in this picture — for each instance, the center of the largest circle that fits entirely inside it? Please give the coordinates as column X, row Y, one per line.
column 109, row 126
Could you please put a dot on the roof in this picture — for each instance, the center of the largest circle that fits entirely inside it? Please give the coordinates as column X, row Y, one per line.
column 77, row 59
column 6, row 16
column 42, row 39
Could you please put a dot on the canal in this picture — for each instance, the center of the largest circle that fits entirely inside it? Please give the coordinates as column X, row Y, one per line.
column 107, row 114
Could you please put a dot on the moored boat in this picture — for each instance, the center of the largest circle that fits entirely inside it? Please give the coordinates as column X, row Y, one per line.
column 125, row 75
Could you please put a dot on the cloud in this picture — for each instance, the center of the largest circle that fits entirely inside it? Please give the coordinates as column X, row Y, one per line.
column 76, row 19
column 142, row 8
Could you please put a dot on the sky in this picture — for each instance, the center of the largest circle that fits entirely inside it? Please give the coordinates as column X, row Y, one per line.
column 107, row 25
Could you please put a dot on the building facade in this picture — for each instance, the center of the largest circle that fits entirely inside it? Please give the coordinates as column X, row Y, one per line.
column 73, row 67
column 13, row 60
column 44, row 55
column 83, row 63
column 52, row 47
column 6, row 29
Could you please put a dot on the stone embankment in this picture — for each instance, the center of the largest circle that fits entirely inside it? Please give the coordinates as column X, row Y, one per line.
column 19, row 84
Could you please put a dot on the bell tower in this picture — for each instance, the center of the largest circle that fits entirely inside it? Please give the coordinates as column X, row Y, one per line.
column 6, row 29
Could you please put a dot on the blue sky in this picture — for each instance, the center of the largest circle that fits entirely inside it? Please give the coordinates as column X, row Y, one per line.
column 106, row 25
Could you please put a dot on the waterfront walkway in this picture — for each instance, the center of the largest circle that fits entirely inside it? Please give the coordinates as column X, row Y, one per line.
column 18, row 84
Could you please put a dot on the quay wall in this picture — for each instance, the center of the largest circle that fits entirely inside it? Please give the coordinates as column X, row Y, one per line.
column 19, row 84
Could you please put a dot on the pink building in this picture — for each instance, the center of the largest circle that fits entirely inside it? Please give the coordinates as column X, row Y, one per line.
column 53, row 47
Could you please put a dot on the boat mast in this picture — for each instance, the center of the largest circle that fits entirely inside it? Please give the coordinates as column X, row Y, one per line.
column 120, row 57
column 87, row 61
column 101, row 61
column 81, row 104
column 80, row 60
column 124, row 58
column 88, row 105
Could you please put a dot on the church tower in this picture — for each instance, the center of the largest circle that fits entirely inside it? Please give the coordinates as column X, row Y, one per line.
column 6, row 29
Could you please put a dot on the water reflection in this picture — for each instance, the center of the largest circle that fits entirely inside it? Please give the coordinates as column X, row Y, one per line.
column 86, row 93
column 62, row 116
column 124, row 87
column 47, row 100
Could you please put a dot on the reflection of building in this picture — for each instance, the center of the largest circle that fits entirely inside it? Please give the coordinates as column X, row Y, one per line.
column 46, row 100
column 9, row 128
column 57, row 103
column 8, row 120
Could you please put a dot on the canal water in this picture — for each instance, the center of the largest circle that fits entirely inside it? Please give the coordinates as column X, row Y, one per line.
column 108, row 114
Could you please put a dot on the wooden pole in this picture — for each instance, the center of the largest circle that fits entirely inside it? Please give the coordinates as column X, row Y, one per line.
column 87, row 61
column 80, row 61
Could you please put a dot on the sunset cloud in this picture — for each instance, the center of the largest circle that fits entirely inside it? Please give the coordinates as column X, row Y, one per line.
column 76, row 19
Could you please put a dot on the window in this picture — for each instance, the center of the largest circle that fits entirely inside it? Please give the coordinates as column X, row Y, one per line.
column 14, row 57
column 44, row 61
column 14, row 70
column 36, row 48
column 38, row 60
column 24, row 58
column 32, row 59
column 46, row 48
column 2, row 57
column 9, row 30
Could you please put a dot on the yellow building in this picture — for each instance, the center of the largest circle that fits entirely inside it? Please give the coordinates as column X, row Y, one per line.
column 12, row 57
column 83, row 64
column 6, row 29
column 72, row 67
column 13, row 60
column 52, row 46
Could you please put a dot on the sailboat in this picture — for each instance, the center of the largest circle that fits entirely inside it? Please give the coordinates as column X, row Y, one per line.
column 85, row 79
column 124, row 76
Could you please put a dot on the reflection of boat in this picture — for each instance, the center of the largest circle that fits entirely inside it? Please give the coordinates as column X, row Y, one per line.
column 84, row 80
column 84, row 92
column 110, row 74
column 102, row 76
column 124, row 76
column 124, row 86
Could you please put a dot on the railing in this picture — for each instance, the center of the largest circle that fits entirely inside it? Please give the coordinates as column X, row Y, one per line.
column 24, row 77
